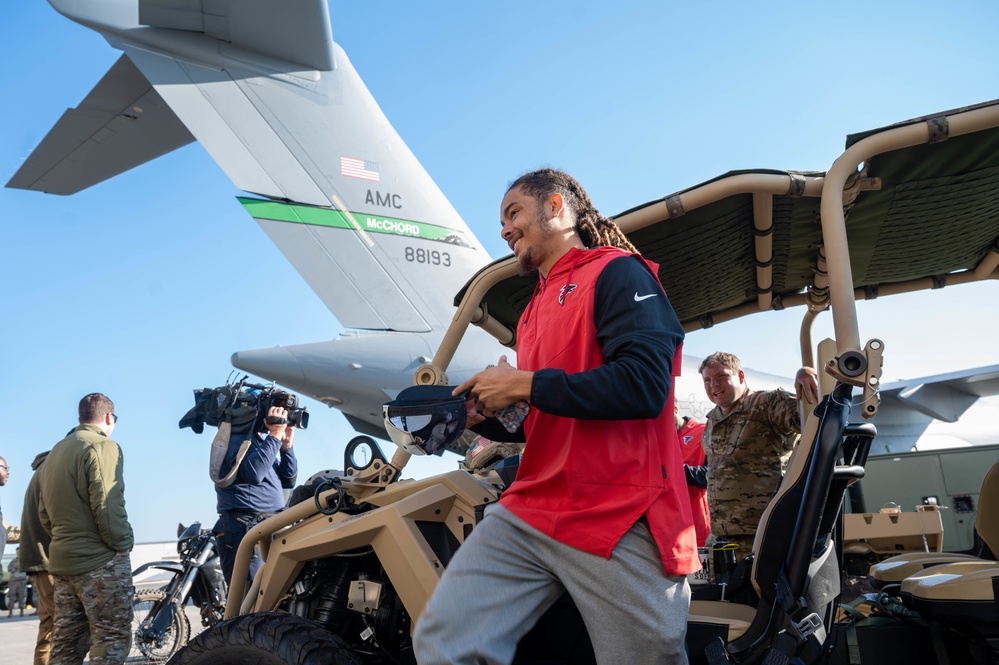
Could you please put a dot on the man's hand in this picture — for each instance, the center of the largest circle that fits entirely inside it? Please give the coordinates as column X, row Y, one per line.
column 806, row 384
column 494, row 388
column 276, row 422
column 472, row 415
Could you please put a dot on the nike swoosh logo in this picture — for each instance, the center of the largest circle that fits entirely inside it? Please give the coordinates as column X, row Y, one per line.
column 639, row 298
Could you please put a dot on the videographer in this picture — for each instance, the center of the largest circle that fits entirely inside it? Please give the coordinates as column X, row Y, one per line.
column 269, row 467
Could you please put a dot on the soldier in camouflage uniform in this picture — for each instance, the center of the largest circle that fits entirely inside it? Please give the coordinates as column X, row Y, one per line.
column 82, row 507
column 748, row 438
column 17, row 587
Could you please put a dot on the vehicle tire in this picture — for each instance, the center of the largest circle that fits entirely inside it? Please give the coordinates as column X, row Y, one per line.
column 3, row 597
column 266, row 638
column 150, row 651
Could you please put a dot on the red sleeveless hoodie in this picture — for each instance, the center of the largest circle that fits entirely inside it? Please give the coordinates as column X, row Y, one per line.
column 585, row 482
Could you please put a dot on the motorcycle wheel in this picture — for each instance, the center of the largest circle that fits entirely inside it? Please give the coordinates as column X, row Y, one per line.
column 148, row 651
column 266, row 638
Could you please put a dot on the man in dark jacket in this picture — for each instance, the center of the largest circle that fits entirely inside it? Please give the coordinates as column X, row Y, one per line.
column 267, row 468
column 82, row 508
column 34, row 553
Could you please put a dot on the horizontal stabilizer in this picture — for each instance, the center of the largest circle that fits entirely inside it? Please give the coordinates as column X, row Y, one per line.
column 296, row 31
column 939, row 401
column 944, row 396
column 978, row 381
column 121, row 124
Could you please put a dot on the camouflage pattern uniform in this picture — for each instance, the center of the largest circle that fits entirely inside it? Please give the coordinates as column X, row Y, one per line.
column 17, row 594
column 97, row 603
column 747, row 451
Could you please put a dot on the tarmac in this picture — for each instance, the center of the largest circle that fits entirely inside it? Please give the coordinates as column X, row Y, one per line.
column 18, row 634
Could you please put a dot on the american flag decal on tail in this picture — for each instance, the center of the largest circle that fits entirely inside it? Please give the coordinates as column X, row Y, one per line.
column 359, row 168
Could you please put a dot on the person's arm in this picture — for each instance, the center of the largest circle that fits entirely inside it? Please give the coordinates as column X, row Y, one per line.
column 287, row 467
column 105, row 476
column 638, row 337
column 697, row 476
column 806, row 385
column 43, row 515
column 781, row 410
column 494, row 431
column 259, row 458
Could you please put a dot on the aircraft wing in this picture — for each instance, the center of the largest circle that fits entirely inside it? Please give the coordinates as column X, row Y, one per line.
column 121, row 124
column 944, row 396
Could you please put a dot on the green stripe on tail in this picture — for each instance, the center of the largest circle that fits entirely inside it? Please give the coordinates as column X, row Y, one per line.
column 315, row 216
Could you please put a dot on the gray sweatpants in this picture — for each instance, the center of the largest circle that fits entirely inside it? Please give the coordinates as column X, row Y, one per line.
column 508, row 573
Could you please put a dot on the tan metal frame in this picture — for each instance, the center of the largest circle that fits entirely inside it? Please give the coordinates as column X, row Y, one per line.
column 298, row 535
column 833, row 284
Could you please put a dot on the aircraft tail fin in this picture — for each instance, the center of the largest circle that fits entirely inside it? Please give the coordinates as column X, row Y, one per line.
column 278, row 106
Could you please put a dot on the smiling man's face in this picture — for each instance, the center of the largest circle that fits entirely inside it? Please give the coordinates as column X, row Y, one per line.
column 723, row 386
column 527, row 230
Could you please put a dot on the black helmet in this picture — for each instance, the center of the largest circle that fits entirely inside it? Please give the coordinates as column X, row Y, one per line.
column 424, row 419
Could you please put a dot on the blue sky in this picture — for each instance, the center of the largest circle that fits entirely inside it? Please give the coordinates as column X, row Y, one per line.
column 143, row 286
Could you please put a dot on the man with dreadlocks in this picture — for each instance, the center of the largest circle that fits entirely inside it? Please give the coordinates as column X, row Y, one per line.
column 599, row 508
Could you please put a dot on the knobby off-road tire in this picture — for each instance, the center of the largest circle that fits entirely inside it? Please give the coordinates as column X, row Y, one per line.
column 266, row 638
column 177, row 634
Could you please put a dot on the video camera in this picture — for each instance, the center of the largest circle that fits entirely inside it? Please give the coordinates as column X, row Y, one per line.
column 297, row 417
column 244, row 405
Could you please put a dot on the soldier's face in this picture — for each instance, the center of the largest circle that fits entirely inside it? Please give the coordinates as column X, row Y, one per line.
column 722, row 385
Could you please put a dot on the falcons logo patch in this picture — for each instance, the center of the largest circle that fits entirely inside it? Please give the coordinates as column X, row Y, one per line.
column 687, row 440
column 566, row 290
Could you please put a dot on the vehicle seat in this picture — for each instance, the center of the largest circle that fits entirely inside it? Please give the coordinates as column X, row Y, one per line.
column 736, row 617
column 964, row 592
column 968, row 600
column 951, row 569
column 895, row 569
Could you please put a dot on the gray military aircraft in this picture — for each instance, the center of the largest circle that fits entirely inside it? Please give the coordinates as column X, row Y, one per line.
column 286, row 116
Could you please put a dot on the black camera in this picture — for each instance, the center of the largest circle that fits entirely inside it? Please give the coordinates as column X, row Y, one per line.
column 243, row 405
column 297, row 416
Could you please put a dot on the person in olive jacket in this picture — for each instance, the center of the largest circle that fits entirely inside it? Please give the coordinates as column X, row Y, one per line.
column 82, row 507
column 34, row 557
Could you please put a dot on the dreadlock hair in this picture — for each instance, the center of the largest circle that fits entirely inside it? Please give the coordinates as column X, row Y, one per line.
column 593, row 229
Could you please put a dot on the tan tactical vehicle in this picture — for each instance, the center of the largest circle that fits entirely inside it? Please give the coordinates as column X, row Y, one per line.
column 347, row 573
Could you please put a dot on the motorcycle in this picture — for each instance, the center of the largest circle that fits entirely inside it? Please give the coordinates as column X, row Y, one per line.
column 160, row 626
